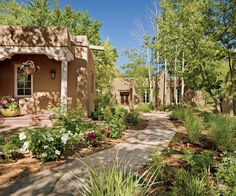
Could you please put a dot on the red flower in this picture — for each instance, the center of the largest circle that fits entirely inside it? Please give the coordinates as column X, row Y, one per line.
column 94, row 142
column 90, row 136
column 103, row 131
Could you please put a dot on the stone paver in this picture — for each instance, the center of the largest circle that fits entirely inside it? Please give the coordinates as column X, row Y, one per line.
column 132, row 154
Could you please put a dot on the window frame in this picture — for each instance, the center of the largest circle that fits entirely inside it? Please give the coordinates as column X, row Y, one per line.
column 16, row 88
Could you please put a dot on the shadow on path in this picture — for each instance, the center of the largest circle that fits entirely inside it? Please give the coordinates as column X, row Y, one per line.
column 132, row 154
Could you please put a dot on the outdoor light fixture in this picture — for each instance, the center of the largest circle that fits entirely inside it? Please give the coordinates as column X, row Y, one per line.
column 53, row 74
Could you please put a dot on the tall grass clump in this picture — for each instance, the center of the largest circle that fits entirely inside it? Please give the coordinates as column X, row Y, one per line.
column 114, row 181
column 180, row 113
column 194, row 127
column 192, row 123
column 187, row 184
column 223, row 131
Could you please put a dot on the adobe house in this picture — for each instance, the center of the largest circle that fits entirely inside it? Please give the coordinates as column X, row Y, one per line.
column 125, row 94
column 67, row 68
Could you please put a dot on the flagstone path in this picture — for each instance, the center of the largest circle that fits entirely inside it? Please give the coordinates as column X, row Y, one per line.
column 132, row 153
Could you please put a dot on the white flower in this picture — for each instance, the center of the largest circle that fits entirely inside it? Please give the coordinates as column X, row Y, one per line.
column 76, row 135
column 22, row 136
column 45, row 147
column 57, row 152
column 25, row 146
column 63, row 129
column 64, row 138
column 81, row 135
column 50, row 139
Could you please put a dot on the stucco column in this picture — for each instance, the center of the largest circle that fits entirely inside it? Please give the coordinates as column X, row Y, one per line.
column 64, row 76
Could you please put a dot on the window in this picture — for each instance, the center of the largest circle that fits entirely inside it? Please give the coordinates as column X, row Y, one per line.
column 23, row 83
column 145, row 97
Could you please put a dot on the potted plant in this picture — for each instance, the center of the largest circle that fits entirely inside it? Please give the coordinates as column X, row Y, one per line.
column 29, row 67
column 9, row 106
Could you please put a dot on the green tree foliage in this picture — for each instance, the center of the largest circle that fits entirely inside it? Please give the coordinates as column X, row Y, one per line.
column 106, row 69
column 37, row 13
column 137, row 70
column 11, row 12
column 204, row 32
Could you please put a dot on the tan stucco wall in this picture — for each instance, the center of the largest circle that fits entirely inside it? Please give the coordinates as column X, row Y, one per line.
column 31, row 36
column 7, row 78
column 124, row 85
column 44, row 88
column 80, row 81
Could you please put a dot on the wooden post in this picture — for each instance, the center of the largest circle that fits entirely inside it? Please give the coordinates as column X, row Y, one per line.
column 64, row 77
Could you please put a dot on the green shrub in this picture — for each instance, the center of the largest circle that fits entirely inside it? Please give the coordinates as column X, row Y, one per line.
column 142, row 107
column 133, row 117
column 199, row 162
column 226, row 175
column 191, row 185
column 223, row 132
column 9, row 147
column 116, row 120
column 114, row 182
column 95, row 115
column 117, row 124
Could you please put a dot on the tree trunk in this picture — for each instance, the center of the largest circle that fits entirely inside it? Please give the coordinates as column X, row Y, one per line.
column 156, row 92
column 231, row 106
column 234, row 104
column 150, row 78
column 182, row 81
column 165, row 86
column 156, row 82
column 175, row 81
column 218, row 106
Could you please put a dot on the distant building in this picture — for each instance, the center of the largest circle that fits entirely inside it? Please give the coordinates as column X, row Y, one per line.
column 125, row 94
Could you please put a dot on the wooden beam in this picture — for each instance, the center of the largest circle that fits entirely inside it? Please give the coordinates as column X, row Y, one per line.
column 94, row 47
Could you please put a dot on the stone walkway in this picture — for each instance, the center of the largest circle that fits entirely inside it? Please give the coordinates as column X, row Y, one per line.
column 133, row 153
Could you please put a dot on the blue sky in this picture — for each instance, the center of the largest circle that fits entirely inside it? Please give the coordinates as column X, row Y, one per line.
column 117, row 18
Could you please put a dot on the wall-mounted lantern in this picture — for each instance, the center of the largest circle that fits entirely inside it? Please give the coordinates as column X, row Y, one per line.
column 53, row 74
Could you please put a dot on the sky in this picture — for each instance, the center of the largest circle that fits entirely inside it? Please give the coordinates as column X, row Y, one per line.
column 118, row 20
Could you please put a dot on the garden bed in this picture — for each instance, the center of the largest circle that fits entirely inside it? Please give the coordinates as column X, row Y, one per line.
column 23, row 165
column 26, row 165
column 206, row 166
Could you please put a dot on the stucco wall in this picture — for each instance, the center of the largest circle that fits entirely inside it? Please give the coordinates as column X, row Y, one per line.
column 81, row 82
column 6, row 78
column 44, row 88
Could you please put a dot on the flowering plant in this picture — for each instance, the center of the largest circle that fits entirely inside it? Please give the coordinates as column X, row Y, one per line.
column 29, row 67
column 46, row 144
column 95, row 138
column 9, row 102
